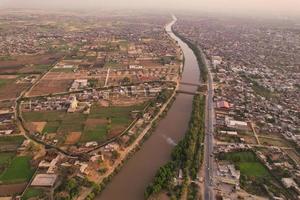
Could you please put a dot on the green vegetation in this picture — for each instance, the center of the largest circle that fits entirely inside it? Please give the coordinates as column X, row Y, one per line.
column 186, row 156
column 66, row 70
column 254, row 175
column 51, row 127
column 247, row 163
column 70, row 188
column 33, row 192
column 57, row 120
column 11, row 140
column 18, row 171
column 96, row 126
column 259, row 89
column 46, row 116
column 113, row 117
column 5, row 159
column 41, row 68
column 4, row 82
column 112, row 64
column 197, row 52
column 7, row 58
column 97, row 133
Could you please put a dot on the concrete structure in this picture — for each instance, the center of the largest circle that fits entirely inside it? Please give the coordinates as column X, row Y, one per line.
column 44, row 180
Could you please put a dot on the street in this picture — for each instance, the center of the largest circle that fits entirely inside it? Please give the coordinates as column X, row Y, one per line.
column 208, row 144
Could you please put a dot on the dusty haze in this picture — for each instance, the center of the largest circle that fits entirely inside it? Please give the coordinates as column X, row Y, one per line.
column 266, row 7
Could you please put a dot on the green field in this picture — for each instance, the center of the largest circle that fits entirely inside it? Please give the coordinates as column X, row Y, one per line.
column 65, row 70
column 18, row 171
column 114, row 120
column 5, row 158
column 11, row 140
column 119, row 116
column 97, row 133
column 4, row 82
column 248, row 164
column 33, row 192
column 51, row 127
column 57, row 120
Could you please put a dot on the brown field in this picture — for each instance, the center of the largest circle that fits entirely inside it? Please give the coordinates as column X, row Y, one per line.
column 17, row 64
column 45, row 87
column 249, row 139
column 11, row 189
column 273, row 141
column 128, row 101
column 293, row 155
column 37, row 126
column 11, row 91
column 116, row 130
column 95, row 122
column 8, row 77
column 73, row 138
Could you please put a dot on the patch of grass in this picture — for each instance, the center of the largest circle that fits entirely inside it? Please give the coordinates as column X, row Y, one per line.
column 18, row 171
column 274, row 142
column 66, row 70
column 51, row 127
column 247, row 163
column 253, row 169
column 97, row 133
column 112, row 64
column 5, row 158
column 72, row 122
column 11, row 140
column 4, row 82
column 43, row 116
column 33, row 192
column 253, row 173
column 41, row 68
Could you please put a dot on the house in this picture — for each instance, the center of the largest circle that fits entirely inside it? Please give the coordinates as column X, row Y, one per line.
column 236, row 124
column 222, row 105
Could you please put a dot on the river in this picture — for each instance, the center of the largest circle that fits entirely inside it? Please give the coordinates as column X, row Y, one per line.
column 132, row 180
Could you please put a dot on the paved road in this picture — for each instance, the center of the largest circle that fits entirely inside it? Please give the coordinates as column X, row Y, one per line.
column 209, row 139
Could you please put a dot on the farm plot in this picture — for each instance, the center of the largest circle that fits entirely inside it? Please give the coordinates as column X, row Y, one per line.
column 71, row 128
column 18, row 171
column 106, row 122
column 10, row 143
column 9, row 89
column 47, row 86
column 25, row 64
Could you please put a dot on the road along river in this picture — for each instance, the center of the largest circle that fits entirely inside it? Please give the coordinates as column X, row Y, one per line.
column 132, row 180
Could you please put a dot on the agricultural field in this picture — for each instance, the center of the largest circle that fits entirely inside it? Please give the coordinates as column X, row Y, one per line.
column 248, row 164
column 15, row 172
column 19, row 170
column 47, row 86
column 10, row 143
column 5, row 159
column 254, row 175
column 33, row 192
column 274, row 141
column 72, row 128
column 9, row 88
column 27, row 64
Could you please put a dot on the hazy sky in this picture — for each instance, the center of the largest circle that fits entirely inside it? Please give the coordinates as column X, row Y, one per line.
column 269, row 7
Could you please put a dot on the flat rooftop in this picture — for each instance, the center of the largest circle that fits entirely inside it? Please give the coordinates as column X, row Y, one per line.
column 44, row 180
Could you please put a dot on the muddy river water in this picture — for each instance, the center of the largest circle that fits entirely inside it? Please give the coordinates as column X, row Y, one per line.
column 132, row 180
